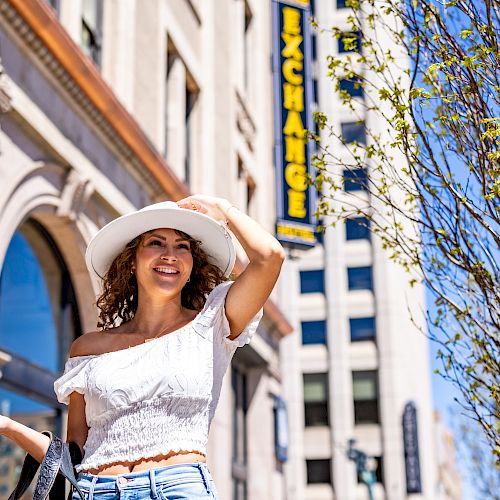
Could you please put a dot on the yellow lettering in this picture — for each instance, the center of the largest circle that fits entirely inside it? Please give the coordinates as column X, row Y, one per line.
column 292, row 46
column 295, row 150
column 295, row 176
column 296, row 201
column 293, row 125
column 296, row 232
column 291, row 20
column 293, row 97
column 289, row 67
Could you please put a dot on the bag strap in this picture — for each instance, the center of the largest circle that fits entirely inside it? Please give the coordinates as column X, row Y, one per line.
column 30, row 466
column 57, row 465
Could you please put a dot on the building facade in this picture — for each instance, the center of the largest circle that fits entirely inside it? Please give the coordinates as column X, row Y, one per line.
column 107, row 106
column 358, row 369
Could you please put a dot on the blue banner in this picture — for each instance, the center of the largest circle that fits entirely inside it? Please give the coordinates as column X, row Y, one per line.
column 292, row 59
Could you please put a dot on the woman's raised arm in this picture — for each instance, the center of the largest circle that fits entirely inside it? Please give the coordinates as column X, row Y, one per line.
column 254, row 285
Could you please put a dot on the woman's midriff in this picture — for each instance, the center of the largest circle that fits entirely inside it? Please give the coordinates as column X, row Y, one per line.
column 148, row 463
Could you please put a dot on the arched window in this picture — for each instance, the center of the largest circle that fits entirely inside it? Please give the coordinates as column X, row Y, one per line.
column 38, row 322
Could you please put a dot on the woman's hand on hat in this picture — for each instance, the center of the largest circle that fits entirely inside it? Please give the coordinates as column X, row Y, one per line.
column 212, row 206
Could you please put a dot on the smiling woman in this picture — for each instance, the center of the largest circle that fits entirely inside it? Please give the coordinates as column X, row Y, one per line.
column 143, row 390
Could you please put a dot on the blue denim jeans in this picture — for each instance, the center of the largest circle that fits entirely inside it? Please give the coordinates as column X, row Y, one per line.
column 179, row 481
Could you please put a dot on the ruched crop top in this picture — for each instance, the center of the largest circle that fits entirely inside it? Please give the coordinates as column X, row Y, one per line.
column 156, row 397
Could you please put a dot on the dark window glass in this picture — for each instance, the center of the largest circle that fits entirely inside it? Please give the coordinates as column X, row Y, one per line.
column 319, row 471
column 315, row 90
column 312, row 281
column 341, row 4
column 38, row 316
column 355, row 179
column 365, row 394
column 54, row 4
column 360, row 278
column 357, row 228
column 314, row 332
column 314, row 47
column 349, row 41
column 352, row 86
column 91, row 35
column 316, row 399
column 362, row 328
column 38, row 322
column 379, row 472
column 353, row 132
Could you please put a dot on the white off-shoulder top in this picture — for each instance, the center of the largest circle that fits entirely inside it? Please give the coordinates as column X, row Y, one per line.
column 156, row 397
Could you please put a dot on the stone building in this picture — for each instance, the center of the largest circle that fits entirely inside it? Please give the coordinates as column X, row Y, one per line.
column 359, row 368
column 107, row 106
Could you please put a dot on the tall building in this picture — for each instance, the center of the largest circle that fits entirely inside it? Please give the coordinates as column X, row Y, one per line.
column 107, row 106
column 358, row 369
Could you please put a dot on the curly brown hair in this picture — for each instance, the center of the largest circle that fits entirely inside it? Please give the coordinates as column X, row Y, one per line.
column 119, row 298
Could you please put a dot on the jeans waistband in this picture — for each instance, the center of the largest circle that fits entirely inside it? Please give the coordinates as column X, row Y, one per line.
column 171, row 473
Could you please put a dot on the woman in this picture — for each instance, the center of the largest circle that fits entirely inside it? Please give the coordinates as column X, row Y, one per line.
column 143, row 391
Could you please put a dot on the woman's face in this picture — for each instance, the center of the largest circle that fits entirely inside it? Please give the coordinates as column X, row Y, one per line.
column 163, row 260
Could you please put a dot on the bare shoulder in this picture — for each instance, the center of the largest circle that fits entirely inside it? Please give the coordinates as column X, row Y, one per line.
column 86, row 344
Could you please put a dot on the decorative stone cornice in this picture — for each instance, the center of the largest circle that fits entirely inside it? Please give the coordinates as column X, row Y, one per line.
column 36, row 24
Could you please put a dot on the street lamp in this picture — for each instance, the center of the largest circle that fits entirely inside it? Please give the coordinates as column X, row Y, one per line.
column 365, row 467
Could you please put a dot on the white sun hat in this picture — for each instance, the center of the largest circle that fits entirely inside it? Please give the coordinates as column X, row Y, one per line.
column 107, row 244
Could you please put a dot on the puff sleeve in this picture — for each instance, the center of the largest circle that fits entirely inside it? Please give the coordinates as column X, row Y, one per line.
column 215, row 312
column 73, row 379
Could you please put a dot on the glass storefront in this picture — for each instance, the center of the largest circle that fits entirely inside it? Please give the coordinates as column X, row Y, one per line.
column 38, row 322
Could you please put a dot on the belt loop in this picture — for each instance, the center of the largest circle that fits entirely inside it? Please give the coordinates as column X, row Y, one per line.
column 203, row 476
column 92, row 486
column 152, row 482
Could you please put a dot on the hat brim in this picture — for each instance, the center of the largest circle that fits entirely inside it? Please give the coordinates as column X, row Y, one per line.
column 107, row 244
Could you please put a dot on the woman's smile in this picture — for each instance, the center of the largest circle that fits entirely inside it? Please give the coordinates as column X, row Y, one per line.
column 165, row 253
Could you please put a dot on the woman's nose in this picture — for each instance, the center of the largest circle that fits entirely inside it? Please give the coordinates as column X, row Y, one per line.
column 168, row 254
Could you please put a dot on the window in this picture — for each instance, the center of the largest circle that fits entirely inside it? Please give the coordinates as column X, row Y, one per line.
column 54, row 4
column 247, row 45
column 180, row 112
column 92, row 29
column 240, row 407
column 360, row 278
column 314, row 47
column 315, row 92
column 355, row 179
column 312, row 281
column 362, row 329
column 365, row 394
column 353, row 132
column 316, row 399
column 350, row 41
column 341, row 4
column 191, row 98
column 379, row 471
column 319, row 471
column 314, row 332
column 357, row 228
column 352, row 86
column 38, row 322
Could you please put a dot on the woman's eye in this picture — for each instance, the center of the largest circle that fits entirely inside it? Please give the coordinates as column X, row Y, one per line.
column 155, row 242
column 184, row 245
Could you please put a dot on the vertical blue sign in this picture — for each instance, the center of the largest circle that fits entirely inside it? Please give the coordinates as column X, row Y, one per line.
column 412, row 456
column 292, row 104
